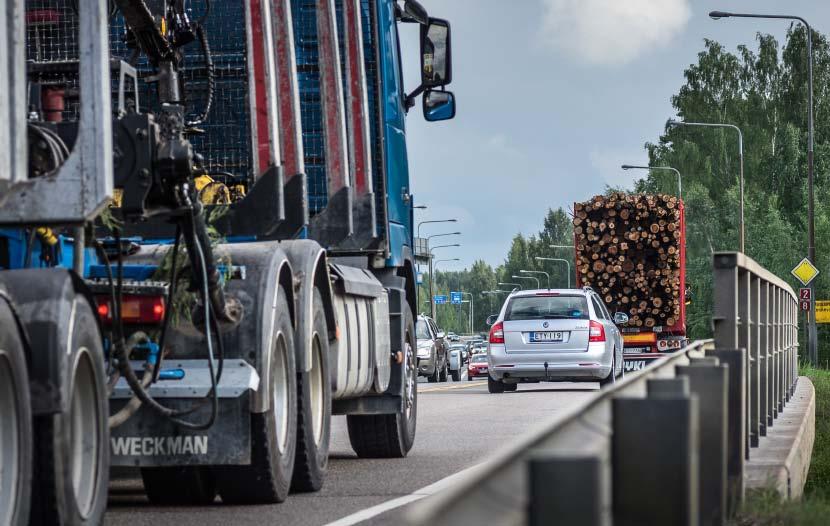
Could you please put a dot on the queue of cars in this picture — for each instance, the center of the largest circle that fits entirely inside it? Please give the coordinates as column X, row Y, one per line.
column 443, row 356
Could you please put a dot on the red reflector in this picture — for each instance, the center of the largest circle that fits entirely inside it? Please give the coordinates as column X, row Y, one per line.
column 137, row 310
column 497, row 333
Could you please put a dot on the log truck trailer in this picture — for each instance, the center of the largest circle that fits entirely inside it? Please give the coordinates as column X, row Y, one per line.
column 641, row 344
column 206, row 245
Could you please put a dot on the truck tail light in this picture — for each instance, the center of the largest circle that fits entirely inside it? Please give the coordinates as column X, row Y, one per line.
column 497, row 333
column 135, row 310
column 596, row 332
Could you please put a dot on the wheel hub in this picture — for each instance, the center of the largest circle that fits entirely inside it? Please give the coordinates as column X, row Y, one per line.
column 84, row 422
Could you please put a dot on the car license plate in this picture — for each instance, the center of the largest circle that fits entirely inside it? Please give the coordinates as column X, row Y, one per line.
column 636, row 350
column 546, row 336
column 635, row 365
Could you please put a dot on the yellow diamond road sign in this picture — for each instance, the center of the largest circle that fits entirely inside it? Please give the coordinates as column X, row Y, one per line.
column 805, row 272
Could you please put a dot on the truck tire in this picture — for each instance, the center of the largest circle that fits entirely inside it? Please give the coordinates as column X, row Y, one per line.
column 494, row 386
column 16, row 429
column 179, row 486
column 273, row 433
column 314, row 408
column 511, row 387
column 391, row 436
column 72, row 446
column 444, row 371
column 456, row 375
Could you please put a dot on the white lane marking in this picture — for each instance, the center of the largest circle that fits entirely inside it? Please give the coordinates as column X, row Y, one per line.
column 426, row 491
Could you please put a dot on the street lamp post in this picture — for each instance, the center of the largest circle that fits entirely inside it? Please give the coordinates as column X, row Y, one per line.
column 472, row 308
column 432, row 281
column 517, row 285
column 672, row 122
column 547, row 276
column 434, row 221
column 568, row 263
column 665, row 168
column 538, row 284
column 812, row 334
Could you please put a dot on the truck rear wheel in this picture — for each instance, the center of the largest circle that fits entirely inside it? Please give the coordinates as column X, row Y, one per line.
column 391, row 436
column 179, row 486
column 16, row 428
column 273, row 433
column 314, row 408
column 72, row 446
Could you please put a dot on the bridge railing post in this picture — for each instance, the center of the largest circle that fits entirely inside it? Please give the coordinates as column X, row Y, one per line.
column 709, row 381
column 657, row 435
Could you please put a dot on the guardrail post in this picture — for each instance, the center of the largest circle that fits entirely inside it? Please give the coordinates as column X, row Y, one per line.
column 709, row 380
column 566, row 490
column 736, row 442
column 654, row 452
column 764, row 346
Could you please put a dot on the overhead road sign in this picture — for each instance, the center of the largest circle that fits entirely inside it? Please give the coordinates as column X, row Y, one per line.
column 455, row 298
column 439, row 299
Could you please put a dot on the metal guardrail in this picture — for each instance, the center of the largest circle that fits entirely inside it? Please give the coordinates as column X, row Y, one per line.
column 665, row 445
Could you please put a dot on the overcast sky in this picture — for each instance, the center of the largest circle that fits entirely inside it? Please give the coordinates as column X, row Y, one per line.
column 553, row 96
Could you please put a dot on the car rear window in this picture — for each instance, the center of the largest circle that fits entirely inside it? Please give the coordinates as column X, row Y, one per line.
column 546, row 307
column 479, row 359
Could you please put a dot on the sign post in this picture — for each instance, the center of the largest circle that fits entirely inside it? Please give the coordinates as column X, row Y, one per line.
column 806, row 272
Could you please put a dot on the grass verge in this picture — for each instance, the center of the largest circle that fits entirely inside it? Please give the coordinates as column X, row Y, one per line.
column 765, row 507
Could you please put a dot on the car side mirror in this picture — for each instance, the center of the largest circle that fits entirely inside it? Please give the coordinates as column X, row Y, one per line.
column 436, row 56
column 491, row 319
column 620, row 318
column 440, row 335
column 439, row 105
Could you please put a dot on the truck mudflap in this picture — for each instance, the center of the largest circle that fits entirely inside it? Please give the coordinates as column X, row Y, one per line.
column 147, row 440
column 637, row 361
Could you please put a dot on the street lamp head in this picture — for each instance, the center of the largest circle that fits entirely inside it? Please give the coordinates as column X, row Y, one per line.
column 717, row 15
column 626, row 167
column 671, row 122
column 420, row 207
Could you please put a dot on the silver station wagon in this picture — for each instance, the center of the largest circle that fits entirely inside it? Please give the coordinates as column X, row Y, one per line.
column 553, row 335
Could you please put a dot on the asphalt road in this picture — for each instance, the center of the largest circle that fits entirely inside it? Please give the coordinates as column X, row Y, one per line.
column 459, row 425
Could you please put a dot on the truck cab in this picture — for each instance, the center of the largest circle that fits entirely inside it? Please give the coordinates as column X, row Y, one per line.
column 220, row 191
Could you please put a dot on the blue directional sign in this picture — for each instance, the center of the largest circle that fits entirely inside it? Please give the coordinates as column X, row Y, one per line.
column 455, row 298
column 439, row 300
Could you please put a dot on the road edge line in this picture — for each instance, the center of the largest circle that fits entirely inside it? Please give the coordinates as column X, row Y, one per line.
column 419, row 494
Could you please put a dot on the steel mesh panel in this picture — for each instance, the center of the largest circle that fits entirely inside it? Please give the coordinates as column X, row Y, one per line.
column 367, row 13
column 226, row 141
column 52, row 49
column 308, row 79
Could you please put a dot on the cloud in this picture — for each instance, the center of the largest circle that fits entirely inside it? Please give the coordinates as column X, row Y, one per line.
column 607, row 164
column 611, row 31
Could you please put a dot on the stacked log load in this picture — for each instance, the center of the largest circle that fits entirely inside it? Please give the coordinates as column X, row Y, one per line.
column 628, row 251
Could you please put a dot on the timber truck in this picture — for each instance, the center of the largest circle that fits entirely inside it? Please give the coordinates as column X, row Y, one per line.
column 206, row 245
column 631, row 249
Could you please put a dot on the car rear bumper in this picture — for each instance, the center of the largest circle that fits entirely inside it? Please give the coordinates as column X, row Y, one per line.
column 593, row 364
column 426, row 366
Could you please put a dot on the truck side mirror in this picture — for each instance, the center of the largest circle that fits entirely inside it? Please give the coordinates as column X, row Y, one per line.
column 436, row 56
column 439, row 105
column 491, row 319
column 620, row 318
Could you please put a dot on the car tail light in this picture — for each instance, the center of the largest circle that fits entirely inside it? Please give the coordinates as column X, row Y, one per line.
column 497, row 333
column 596, row 332
column 137, row 310
column 547, row 294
